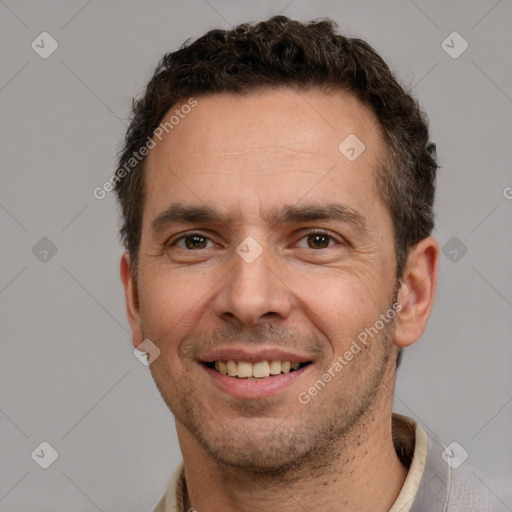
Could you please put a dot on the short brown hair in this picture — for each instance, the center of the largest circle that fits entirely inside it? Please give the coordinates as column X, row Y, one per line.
column 287, row 53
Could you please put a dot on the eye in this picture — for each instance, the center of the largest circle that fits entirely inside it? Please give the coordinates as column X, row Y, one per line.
column 191, row 241
column 318, row 240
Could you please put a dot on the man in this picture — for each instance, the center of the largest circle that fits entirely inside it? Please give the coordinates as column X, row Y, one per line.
column 276, row 187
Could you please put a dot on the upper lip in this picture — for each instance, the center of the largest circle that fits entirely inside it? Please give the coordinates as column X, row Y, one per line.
column 252, row 355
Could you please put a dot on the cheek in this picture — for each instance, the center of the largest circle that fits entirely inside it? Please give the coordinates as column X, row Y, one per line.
column 339, row 307
column 338, row 302
column 171, row 306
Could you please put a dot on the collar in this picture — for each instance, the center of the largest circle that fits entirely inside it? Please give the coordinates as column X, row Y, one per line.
column 412, row 447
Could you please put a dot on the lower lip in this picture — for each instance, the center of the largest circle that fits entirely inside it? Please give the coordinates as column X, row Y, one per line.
column 255, row 388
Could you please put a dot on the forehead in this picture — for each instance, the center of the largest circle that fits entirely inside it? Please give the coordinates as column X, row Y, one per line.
column 312, row 121
column 268, row 146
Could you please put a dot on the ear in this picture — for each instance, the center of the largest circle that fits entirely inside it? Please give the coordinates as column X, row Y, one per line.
column 417, row 292
column 132, row 300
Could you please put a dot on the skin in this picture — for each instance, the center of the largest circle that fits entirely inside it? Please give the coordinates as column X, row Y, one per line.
column 246, row 156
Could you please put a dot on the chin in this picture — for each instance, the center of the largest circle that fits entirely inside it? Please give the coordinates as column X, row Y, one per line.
column 257, row 446
column 256, row 458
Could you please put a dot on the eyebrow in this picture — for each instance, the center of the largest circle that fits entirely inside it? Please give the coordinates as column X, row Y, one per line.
column 178, row 213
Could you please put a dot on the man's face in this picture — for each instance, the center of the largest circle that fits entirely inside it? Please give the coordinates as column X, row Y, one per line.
column 267, row 278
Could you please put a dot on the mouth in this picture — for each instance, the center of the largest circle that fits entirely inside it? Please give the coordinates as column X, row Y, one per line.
column 260, row 370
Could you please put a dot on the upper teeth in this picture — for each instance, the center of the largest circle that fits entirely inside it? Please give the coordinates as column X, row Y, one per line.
column 261, row 369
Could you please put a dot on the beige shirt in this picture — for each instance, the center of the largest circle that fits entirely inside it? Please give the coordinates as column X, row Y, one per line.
column 411, row 444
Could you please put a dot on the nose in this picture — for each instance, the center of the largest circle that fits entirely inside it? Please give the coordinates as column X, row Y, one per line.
column 252, row 291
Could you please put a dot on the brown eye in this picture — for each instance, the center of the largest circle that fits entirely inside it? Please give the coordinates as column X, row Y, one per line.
column 192, row 242
column 318, row 241
column 195, row 242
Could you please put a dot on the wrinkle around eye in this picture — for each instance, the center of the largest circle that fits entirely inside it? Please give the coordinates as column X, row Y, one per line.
column 182, row 238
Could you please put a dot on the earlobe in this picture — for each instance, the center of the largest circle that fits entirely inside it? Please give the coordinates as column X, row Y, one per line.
column 417, row 292
column 132, row 299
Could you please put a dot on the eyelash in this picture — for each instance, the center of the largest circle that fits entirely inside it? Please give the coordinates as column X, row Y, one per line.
column 202, row 235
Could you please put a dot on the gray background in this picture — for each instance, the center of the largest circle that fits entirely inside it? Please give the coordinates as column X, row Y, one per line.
column 68, row 374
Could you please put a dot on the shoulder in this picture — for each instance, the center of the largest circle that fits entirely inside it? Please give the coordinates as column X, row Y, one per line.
column 472, row 490
column 441, row 479
column 449, row 483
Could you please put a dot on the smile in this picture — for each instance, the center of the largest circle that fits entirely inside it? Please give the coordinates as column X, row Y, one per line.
column 258, row 370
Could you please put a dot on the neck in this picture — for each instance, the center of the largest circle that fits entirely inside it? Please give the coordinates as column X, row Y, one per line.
column 363, row 472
